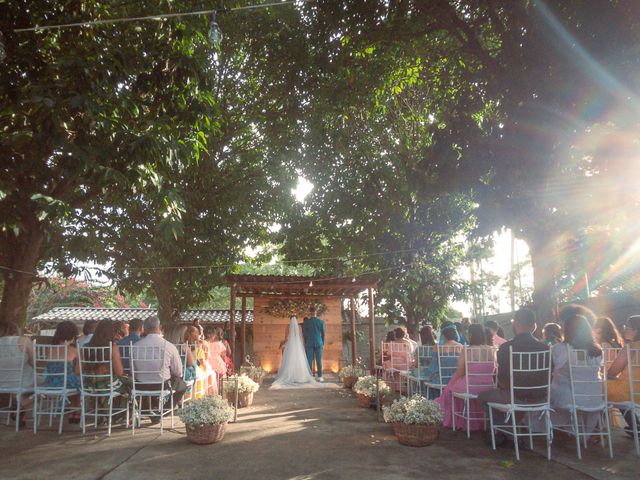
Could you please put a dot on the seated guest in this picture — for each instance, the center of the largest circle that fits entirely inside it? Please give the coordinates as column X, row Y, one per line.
column 411, row 342
column 427, row 339
column 170, row 369
column 432, row 374
column 103, row 337
column 524, row 324
column 385, row 354
column 618, row 387
column 65, row 334
column 465, row 323
column 493, row 326
column 578, row 336
column 135, row 334
column 87, row 332
column 199, row 350
column 120, row 330
column 552, row 334
column 480, row 377
column 217, row 350
column 17, row 353
column 451, row 328
column 606, row 333
column 570, row 311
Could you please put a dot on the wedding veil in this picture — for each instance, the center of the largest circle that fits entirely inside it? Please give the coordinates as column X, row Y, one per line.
column 294, row 368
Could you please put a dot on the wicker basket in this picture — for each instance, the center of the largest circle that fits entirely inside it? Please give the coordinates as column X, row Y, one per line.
column 415, row 435
column 349, row 382
column 364, row 401
column 245, row 399
column 205, row 434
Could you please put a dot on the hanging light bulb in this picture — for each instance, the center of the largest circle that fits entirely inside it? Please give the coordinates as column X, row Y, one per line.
column 210, row 271
column 353, row 280
column 215, row 34
column 311, row 283
column 3, row 48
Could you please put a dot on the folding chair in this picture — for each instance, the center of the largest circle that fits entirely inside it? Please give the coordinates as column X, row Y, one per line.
column 385, row 360
column 631, row 408
column 147, row 364
column 99, row 387
column 192, row 390
column 447, row 365
column 525, row 363
column 588, row 395
column 52, row 392
column 401, row 360
column 424, row 354
column 480, row 371
column 12, row 362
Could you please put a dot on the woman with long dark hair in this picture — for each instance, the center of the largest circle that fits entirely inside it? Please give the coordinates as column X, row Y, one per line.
column 606, row 333
column 618, row 387
column 579, row 346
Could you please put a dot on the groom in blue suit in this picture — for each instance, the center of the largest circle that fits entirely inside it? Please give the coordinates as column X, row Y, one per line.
column 313, row 332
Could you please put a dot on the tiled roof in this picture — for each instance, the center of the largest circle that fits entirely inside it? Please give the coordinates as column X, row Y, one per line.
column 81, row 314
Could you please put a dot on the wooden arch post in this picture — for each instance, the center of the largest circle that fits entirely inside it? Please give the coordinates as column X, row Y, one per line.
column 232, row 324
column 243, row 331
column 354, row 352
column 372, row 334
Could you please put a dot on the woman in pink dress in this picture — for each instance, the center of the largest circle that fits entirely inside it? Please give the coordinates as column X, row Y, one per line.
column 216, row 351
column 481, row 376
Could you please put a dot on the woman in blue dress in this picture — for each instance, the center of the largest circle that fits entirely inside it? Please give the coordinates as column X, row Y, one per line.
column 66, row 333
column 449, row 362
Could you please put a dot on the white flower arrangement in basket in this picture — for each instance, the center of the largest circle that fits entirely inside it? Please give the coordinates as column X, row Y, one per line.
column 209, row 410
column 414, row 410
column 367, row 386
column 245, row 384
column 351, row 371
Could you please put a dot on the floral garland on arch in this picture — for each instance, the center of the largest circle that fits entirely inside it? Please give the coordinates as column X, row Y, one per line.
column 288, row 307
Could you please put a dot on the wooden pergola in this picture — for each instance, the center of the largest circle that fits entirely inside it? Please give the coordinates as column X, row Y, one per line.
column 282, row 286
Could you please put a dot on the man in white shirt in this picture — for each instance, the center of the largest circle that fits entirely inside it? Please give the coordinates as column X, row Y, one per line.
column 170, row 369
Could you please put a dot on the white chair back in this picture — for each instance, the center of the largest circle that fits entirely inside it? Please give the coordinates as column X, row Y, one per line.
column 50, row 372
column 96, row 370
column 448, row 361
column 125, row 356
column 530, row 377
column 480, row 368
column 608, row 356
column 633, row 370
column 385, row 352
column 588, row 387
column 401, row 357
column 12, row 363
column 424, row 356
column 147, row 364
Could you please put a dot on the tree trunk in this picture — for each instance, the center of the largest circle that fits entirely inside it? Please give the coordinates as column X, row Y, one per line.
column 23, row 254
column 163, row 282
column 544, row 291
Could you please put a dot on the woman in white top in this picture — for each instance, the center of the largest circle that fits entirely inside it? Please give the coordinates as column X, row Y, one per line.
column 577, row 336
column 16, row 356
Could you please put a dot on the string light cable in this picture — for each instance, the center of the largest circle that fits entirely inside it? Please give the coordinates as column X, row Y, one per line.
column 157, row 17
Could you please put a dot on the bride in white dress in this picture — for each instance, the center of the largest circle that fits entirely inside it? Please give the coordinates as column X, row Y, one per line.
column 294, row 371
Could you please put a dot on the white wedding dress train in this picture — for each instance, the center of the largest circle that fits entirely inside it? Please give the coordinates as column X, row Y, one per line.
column 294, row 371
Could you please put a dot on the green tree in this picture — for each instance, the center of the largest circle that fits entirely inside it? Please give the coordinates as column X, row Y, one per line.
column 71, row 130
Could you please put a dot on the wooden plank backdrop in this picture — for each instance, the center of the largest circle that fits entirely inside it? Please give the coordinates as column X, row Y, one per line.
column 269, row 331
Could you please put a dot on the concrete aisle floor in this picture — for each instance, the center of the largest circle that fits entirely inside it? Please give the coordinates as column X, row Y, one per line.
column 293, row 434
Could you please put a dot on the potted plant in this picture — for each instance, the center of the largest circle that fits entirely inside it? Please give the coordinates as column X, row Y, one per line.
column 206, row 419
column 349, row 375
column 415, row 420
column 254, row 373
column 365, row 390
column 246, row 389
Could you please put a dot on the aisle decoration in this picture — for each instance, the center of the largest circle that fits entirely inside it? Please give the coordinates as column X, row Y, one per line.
column 246, row 389
column 365, row 390
column 415, row 420
column 349, row 375
column 256, row 374
column 206, row 419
